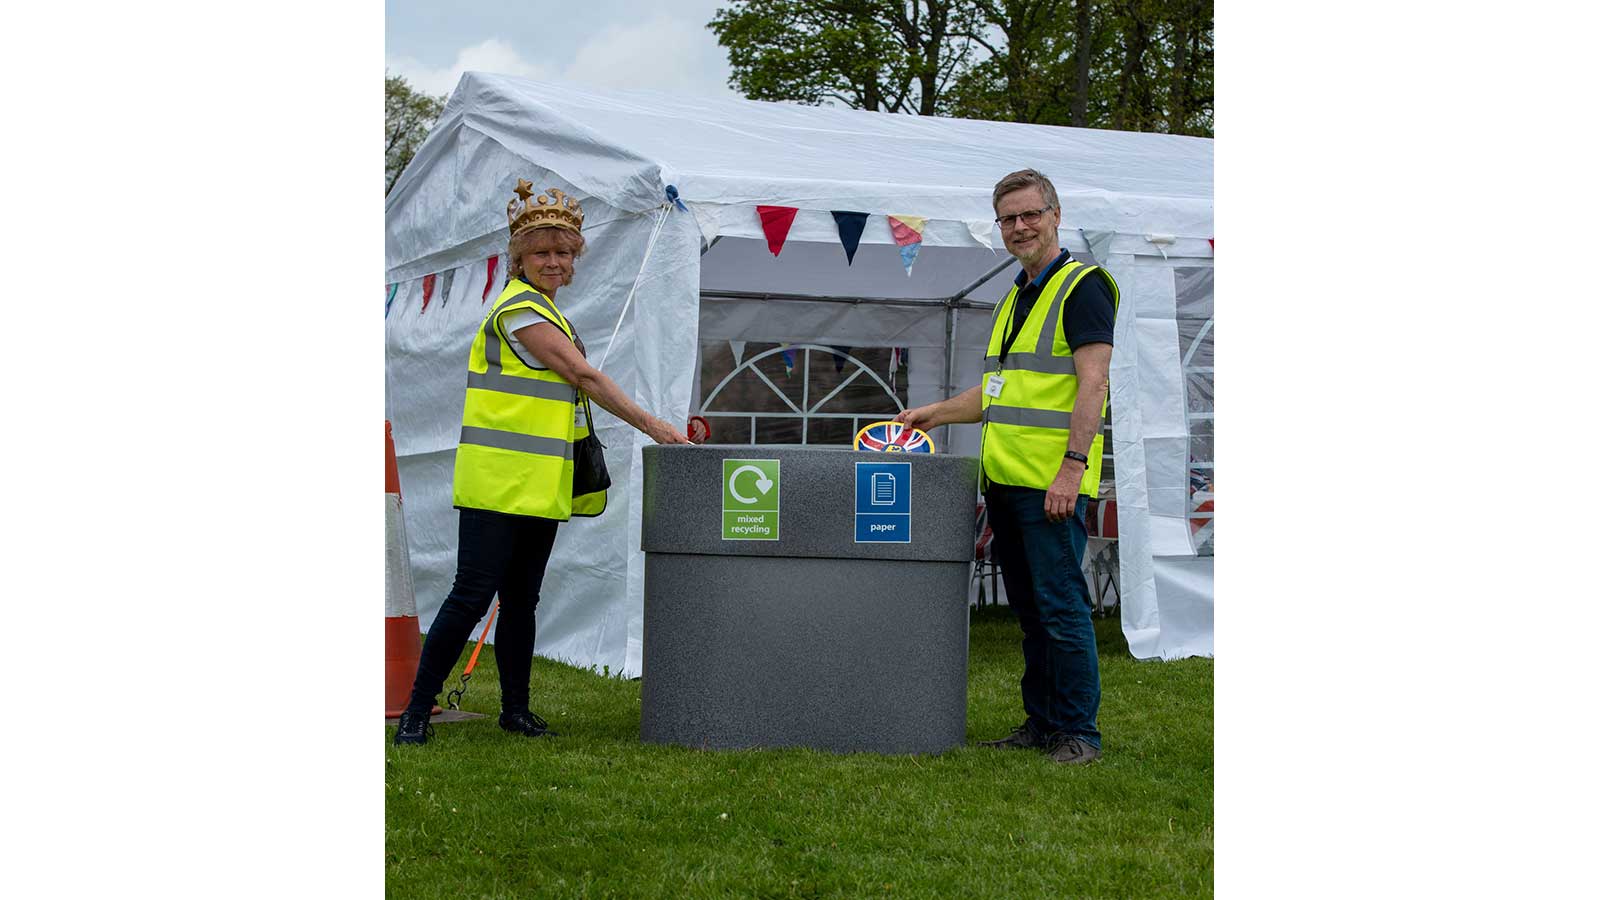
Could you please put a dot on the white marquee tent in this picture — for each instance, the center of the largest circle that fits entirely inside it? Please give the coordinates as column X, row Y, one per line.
column 663, row 281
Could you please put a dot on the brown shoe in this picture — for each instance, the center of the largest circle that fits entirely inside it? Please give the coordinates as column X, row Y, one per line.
column 1023, row 738
column 1072, row 751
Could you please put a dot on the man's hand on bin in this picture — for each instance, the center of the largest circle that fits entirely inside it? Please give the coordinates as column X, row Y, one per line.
column 918, row 417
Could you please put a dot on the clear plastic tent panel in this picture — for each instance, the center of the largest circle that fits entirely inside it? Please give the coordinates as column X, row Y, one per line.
column 754, row 392
column 1196, row 331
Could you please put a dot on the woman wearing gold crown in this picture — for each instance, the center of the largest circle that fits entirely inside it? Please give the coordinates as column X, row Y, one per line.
column 527, row 384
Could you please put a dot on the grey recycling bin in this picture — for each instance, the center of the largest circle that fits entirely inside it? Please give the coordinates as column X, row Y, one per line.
column 806, row 597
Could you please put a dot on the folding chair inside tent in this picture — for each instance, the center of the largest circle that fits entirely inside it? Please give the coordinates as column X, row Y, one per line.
column 984, row 561
column 1103, row 565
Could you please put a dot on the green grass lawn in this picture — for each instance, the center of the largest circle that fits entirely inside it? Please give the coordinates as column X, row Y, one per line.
column 478, row 812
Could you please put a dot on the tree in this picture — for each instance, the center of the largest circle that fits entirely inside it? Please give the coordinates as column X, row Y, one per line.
column 882, row 55
column 408, row 116
column 1022, row 79
column 1137, row 65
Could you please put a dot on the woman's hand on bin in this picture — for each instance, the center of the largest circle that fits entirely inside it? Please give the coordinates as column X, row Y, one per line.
column 662, row 433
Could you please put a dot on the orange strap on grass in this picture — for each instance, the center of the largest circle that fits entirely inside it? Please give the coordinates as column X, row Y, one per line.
column 481, row 638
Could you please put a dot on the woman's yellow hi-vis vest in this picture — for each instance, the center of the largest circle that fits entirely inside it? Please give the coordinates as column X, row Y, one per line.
column 519, row 424
column 1025, row 429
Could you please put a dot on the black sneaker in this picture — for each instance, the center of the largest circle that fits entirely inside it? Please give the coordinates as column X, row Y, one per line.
column 1023, row 738
column 525, row 723
column 414, row 728
column 1072, row 750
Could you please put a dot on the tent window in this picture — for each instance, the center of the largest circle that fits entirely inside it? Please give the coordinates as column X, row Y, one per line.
column 810, row 394
column 1196, row 331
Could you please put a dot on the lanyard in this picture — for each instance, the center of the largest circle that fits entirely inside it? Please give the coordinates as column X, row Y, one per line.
column 1010, row 336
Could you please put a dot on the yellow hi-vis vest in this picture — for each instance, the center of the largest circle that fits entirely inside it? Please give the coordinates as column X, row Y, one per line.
column 519, row 424
column 1025, row 429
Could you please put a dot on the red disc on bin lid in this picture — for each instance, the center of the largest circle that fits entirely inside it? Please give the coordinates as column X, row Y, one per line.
column 893, row 437
column 699, row 429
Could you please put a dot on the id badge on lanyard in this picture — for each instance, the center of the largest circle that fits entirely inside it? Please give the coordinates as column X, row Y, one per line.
column 994, row 384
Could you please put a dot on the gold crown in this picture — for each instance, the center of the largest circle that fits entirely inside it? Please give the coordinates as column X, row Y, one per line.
column 552, row 208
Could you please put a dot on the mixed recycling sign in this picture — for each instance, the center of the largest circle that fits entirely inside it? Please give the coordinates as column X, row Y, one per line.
column 750, row 499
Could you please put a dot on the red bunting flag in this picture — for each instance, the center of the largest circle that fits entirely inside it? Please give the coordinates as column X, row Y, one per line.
column 427, row 292
column 775, row 222
column 488, row 282
column 1212, row 242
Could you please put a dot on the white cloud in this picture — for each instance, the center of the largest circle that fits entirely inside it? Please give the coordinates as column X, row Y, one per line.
column 493, row 55
column 664, row 53
column 669, row 54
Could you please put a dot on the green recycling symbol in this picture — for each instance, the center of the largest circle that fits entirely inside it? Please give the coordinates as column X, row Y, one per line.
column 750, row 499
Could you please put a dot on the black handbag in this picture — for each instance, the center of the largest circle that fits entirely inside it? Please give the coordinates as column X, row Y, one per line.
column 589, row 475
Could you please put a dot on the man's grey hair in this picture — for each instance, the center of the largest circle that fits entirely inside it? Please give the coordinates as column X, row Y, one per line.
column 1026, row 178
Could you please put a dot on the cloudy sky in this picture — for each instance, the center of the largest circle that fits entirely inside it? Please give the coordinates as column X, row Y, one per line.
column 662, row 44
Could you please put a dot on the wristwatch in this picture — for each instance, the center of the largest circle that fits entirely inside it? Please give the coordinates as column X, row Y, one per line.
column 1073, row 454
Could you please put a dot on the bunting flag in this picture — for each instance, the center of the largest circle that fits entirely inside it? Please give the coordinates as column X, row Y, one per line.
column 488, row 281
column 444, row 289
column 738, row 352
column 850, row 227
column 897, row 358
column 840, row 355
column 788, row 360
column 775, row 222
column 1212, row 242
column 1099, row 245
column 907, row 231
column 982, row 231
column 427, row 291
column 710, row 226
column 393, row 289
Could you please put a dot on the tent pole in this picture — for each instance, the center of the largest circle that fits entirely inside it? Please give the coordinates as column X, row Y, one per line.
column 949, row 357
column 962, row 294
column 711, row 294
column 951, row 306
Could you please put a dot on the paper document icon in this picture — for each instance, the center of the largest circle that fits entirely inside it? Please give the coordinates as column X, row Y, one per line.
column 882, row 489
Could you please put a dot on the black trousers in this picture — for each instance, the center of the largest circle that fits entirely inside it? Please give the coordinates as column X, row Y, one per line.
column 498, row 553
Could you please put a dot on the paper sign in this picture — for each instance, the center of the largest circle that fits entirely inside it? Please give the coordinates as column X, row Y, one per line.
column 883, row 503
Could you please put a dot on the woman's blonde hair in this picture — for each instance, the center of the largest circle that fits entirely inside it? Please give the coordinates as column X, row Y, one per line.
column 523, row 243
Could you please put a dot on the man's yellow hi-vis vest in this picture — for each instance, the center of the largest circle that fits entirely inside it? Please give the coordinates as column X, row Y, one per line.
column 1025, row 429
column 519, row 424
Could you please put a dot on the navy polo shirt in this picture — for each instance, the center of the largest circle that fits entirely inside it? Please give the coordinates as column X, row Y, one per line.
column 1091, row 314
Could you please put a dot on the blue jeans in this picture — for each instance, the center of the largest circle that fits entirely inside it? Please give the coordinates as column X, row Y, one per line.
column 1042, row 564
column 498, row 553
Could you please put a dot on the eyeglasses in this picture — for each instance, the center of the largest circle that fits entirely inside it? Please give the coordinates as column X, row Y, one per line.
column 1029, row 217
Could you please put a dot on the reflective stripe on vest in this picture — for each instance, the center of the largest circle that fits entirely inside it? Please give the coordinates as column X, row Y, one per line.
column 519, row 424
column 1027, row 428
column 521, row 443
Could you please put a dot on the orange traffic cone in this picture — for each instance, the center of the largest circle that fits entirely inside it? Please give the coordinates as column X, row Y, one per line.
column 402, row 641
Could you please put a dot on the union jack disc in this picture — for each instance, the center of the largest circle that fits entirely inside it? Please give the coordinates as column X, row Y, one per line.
column 893, row 437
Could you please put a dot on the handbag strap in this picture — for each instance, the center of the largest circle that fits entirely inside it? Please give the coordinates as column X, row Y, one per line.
column 588, row 415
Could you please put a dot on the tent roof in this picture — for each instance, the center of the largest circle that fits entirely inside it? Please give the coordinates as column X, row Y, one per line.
column 624, row 147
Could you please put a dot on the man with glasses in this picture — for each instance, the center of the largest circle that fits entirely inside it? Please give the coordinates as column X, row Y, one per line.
column 1041, row 402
